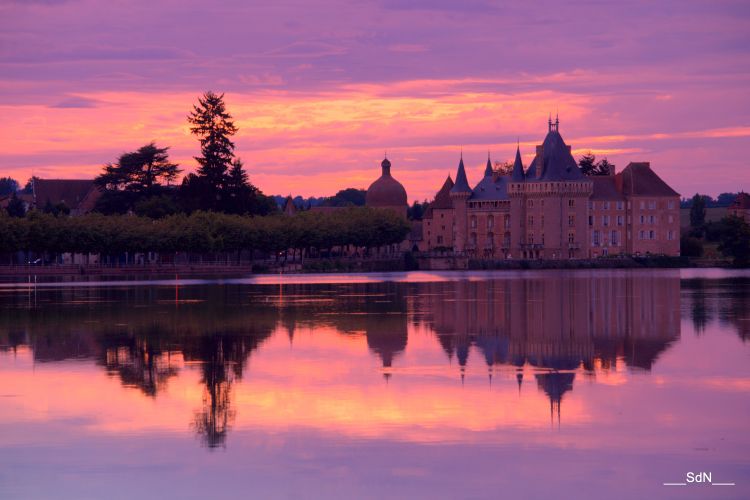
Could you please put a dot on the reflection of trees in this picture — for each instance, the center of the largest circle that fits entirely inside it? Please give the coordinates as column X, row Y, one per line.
column 699, row 313
column 725, row 300
column 139, row 360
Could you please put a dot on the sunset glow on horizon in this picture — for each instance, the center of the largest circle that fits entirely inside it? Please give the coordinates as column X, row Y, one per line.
column 320, row 93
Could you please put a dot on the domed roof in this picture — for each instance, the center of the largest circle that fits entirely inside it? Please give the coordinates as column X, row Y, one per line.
column 386, row 191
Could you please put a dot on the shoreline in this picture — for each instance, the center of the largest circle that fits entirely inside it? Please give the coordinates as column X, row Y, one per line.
column 347, row 266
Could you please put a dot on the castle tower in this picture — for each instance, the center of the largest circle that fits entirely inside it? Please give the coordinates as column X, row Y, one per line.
column 460, row 193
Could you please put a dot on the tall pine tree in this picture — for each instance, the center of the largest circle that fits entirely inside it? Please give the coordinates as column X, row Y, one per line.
column 213, row 126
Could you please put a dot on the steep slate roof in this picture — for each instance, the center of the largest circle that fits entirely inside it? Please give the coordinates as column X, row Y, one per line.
column 605, row 188
column 490, row 188
column 442, row 198
column 559, row 164
column 637, row 179
column 289, row 207
column 488, row 168
column 72, row 192
column 517, row 175
column 462, row 184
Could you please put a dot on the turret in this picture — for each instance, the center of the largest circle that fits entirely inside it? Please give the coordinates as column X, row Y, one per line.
column 460, row 193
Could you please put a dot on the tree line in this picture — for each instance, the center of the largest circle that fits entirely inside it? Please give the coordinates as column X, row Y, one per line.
column 309, row 233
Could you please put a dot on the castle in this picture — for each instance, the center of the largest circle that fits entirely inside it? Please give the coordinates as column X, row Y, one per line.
column 550, row 210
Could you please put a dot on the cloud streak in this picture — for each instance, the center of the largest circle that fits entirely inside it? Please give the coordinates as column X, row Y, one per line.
column 321, row 93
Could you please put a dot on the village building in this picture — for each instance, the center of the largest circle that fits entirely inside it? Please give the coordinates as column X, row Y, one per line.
column 78, row 195
column 740, row 207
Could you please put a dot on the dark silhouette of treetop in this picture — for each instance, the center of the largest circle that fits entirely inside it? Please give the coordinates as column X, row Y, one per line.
column 140, row 171
column 589, row 165
column 213, row 126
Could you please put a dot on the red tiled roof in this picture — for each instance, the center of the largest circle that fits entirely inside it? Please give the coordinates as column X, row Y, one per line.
column 605, row 188
column 442, row 198
column 637, row 179
column 72, row 192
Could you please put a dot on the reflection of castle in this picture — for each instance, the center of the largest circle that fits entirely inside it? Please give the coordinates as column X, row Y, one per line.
column 559, row 323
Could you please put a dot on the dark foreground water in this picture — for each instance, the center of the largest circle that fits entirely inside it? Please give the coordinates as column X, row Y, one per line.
column 592, row 384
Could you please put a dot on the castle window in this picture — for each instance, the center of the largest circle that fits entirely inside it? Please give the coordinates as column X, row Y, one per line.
column 440, row 240
column 620, row 205
column 615, row 238
column 641, row 235
column 541, row 221
column 572, row 203
column 571, row 220
column 643, row 219
column 571, row 237
column 506, row 220
column 595, row 238
column 670, row 235
column 591, row 220
column 619, row 220
column 651, row 205
column 605, row 220
column 643, row 205
column 670, row 219
column 531, row 221
column 651, row 219
column 670, row 204
column 490, row 222
column 473, row 222
column 591, row 205
column 530, row 203
column 531, row 238
column 606, row 205
column 542, row 238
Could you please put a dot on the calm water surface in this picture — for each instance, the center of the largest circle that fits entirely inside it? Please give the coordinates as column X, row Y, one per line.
column 593, row 384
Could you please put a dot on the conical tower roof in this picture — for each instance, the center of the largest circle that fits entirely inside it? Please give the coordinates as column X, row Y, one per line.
column 462, row 184
column 488, row 168
column 517, row 175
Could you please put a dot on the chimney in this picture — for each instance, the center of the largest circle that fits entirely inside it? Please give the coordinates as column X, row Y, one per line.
column 539, row 161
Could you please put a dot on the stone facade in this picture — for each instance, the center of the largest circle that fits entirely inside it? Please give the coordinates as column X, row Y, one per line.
column 552, row 211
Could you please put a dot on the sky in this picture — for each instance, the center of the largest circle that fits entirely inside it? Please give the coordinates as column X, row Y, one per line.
column 321, row 90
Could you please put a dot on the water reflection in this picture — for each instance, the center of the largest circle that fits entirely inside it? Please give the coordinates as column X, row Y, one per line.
column 557, row 327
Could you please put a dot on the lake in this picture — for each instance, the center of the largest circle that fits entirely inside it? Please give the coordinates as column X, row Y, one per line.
column 528, row 384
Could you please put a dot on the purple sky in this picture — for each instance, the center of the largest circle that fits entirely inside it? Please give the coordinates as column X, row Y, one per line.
column 321, row 89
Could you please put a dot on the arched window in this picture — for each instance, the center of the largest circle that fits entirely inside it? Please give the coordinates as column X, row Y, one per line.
column 490, row 222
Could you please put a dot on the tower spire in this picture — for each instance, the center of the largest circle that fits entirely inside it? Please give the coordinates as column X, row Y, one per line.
column 462, row 183
column 517, row 175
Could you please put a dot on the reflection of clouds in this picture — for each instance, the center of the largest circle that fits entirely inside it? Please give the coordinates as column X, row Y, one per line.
column 229, row 359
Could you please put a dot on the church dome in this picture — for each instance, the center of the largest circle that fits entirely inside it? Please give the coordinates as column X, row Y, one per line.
column 386, row 191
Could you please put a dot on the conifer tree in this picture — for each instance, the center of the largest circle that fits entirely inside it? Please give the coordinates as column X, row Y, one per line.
column 213, row 126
